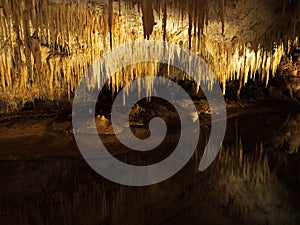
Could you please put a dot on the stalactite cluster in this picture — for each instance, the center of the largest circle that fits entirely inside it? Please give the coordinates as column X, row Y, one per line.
column 46, row 46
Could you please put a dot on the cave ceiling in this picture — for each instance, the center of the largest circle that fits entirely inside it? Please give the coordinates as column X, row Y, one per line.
column 46, row 45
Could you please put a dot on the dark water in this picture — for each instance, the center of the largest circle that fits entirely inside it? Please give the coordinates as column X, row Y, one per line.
column 254, row 180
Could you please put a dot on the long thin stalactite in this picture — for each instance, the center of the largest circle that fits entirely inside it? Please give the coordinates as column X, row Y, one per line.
column 45, row 47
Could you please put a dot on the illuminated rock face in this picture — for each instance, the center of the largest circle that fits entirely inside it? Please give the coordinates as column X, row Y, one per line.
column 45, row 46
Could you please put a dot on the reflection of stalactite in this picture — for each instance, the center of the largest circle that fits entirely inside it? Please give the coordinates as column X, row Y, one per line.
column 246, row 165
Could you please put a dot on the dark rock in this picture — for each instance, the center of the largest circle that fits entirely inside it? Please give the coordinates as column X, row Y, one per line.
column 275, row 92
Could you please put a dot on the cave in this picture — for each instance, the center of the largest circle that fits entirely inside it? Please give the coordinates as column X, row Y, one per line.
column 149, row 112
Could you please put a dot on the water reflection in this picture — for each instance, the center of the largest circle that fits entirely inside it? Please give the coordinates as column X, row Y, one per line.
column 254, row 180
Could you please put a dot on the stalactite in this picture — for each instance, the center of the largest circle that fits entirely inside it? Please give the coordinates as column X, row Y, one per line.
column 196, row 6
column 110, row 22
column 148, row 17
column 190, row 7
column 42, row 59
column 164, row 3
column 222, row 2
column 207, row 12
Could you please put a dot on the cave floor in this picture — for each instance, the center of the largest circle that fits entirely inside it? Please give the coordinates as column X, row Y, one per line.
column 33, row 135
